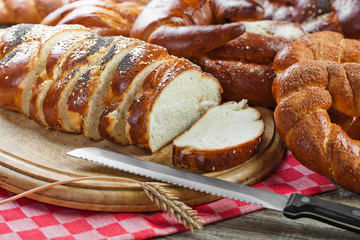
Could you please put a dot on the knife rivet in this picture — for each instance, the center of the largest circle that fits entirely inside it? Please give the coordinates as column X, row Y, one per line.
column 305, row 199
column 356, row 212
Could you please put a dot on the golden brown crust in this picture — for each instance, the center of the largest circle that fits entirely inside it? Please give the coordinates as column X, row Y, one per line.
column 214, row 160
column 308, row 93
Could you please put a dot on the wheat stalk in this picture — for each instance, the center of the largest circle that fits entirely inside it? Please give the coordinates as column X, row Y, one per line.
column 162, row 197
column 170, row 204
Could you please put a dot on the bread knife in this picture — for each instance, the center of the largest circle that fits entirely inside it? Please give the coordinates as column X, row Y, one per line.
column 294, row 206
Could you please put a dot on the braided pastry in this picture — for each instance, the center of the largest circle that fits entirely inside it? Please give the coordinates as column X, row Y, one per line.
column 317, row 15
column 185, row 27
column 116, row 88
column 314, row 75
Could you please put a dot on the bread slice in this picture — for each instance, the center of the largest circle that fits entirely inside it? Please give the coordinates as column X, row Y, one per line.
column 91, row 88
column 125, row 84
column 50, row 69
column 20, row 46
column 78, row 62
column 225, row 136
column 20, row 33
column 171, row 99
column 17, row 76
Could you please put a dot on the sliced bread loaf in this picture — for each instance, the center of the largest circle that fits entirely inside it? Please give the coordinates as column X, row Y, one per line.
column 225, row 136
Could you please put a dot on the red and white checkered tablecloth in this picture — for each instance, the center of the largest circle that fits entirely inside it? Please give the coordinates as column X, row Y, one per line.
column 29, row 219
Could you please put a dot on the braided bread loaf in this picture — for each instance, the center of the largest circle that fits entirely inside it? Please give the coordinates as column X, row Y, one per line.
column 104, row 17
column 116, row 88
column 314, row 75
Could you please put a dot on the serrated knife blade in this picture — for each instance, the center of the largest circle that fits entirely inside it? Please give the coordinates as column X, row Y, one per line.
column 293, row 206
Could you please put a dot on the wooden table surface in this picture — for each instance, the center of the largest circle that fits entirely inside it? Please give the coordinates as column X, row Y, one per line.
column 270, row 224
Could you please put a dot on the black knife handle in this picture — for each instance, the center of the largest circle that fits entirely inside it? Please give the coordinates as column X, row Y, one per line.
column 332, row 213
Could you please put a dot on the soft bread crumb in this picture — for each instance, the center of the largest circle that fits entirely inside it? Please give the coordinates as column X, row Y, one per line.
column 223, row 126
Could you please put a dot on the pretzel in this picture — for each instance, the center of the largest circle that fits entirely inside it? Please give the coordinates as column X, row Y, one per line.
column 317, row 15
column 244, row 65
column 186, row 28
column 315, row 75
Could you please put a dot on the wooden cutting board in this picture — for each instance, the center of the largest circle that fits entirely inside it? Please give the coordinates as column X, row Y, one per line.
column 32, row 156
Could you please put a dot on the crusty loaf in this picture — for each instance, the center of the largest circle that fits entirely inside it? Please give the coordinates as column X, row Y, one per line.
column 68, row 78
column 315, row 75
column 225, row 136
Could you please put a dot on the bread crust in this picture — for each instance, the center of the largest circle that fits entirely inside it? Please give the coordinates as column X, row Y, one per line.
column 214, row 160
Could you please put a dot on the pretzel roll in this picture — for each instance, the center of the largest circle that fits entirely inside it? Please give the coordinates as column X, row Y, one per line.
column 188, row 28
column 260, row 43
column 244, row 65
column 317, row 87
column 317, row 15
column 241, row 80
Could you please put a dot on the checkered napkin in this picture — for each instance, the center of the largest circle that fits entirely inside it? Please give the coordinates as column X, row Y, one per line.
column 29, row 219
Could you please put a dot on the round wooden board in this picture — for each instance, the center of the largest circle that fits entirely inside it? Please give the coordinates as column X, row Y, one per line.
column 31, row 156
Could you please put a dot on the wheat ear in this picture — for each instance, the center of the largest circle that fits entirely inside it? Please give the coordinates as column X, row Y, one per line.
column 170, row 204
column 162, row 197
